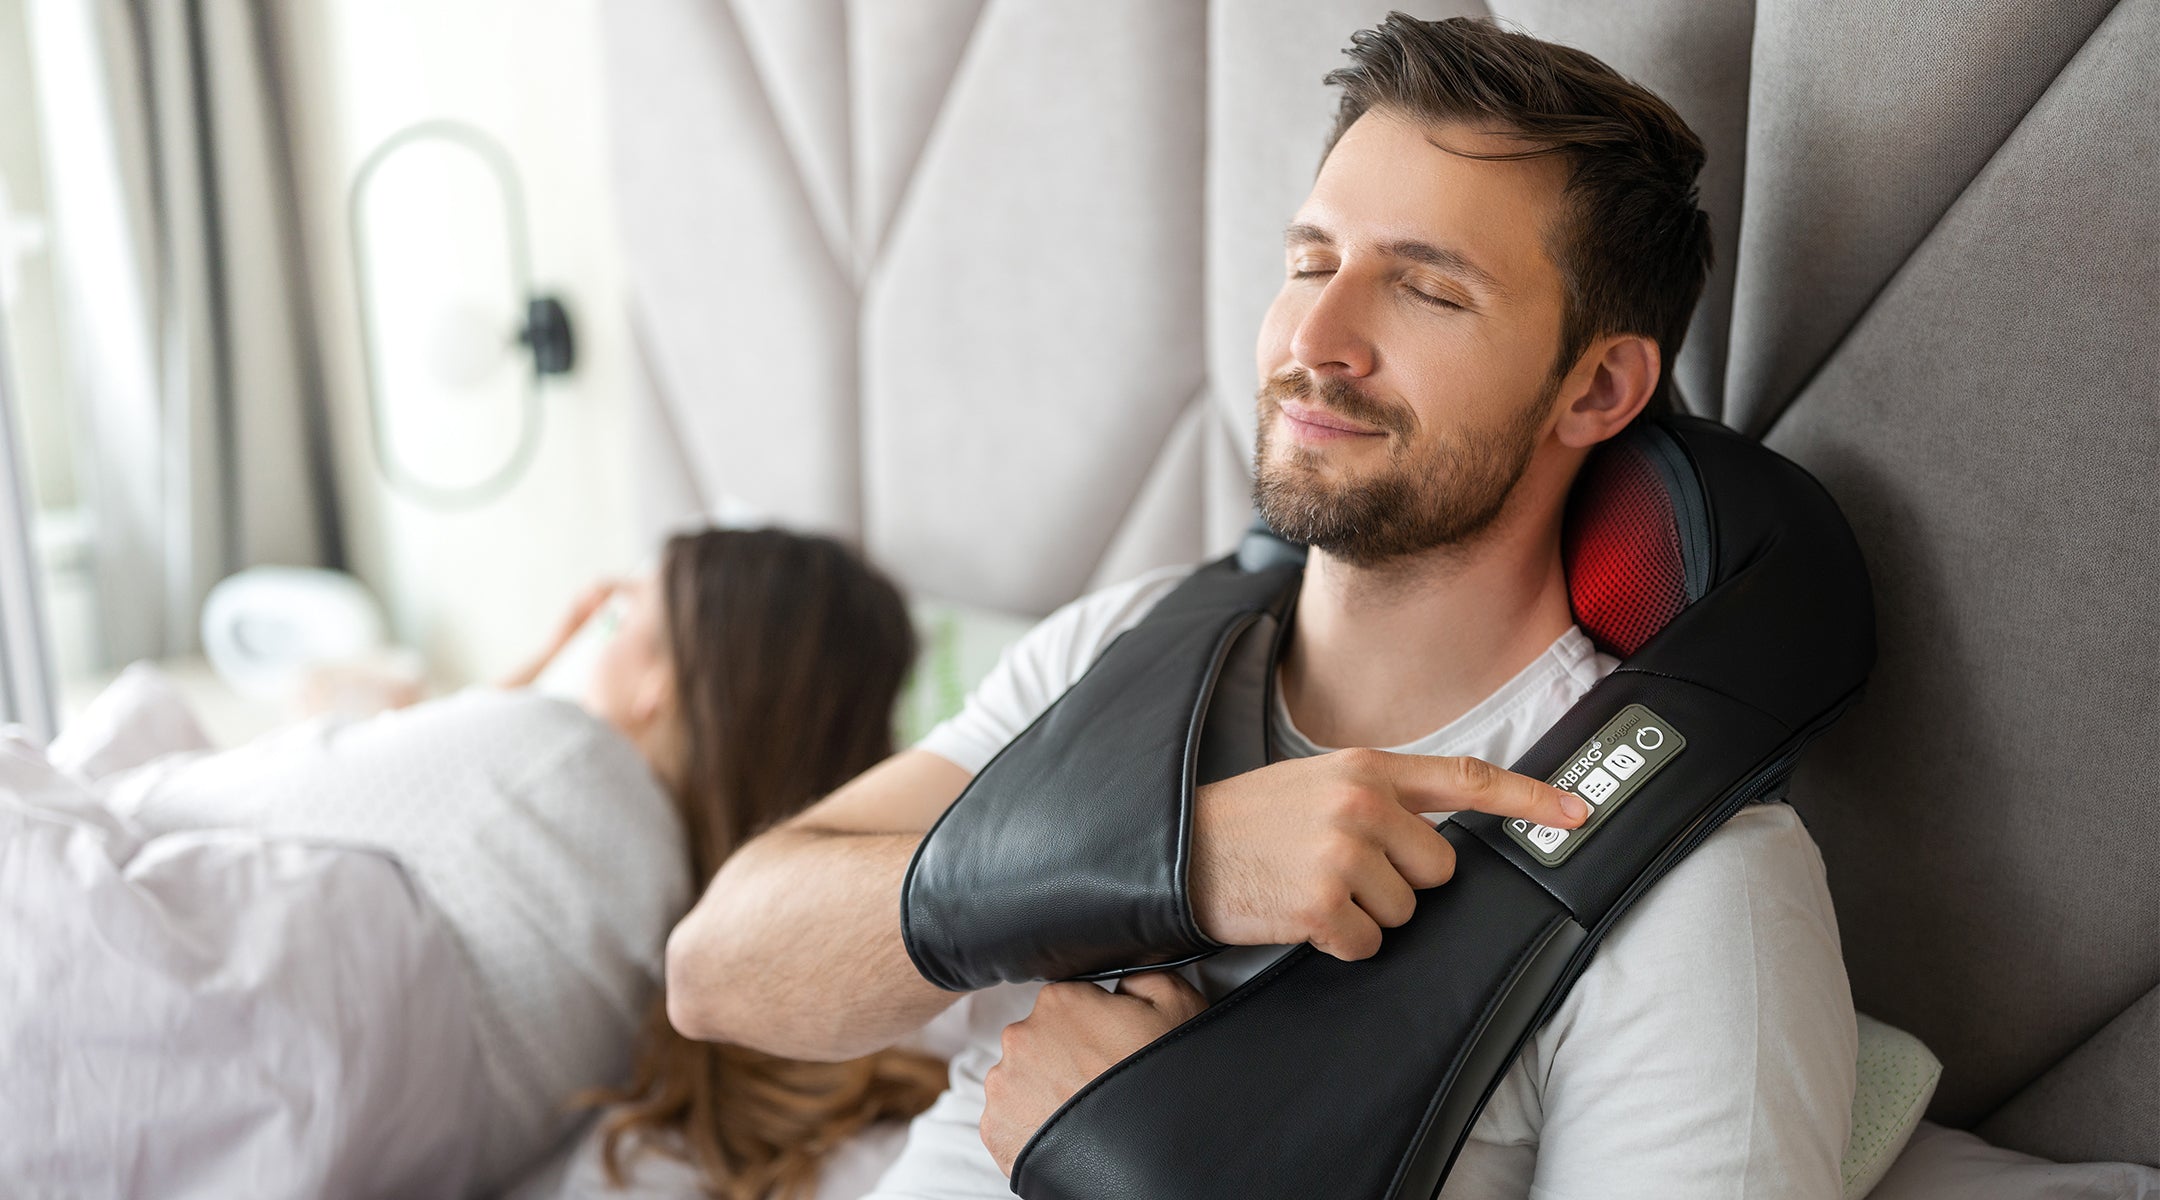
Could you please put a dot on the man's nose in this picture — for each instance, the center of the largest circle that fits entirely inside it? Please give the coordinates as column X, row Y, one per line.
column 1332, row 336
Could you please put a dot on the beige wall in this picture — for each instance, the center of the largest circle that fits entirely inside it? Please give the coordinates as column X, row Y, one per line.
column 473, row 588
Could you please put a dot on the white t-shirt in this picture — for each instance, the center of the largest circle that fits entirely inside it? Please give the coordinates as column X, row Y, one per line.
column 535, row 829
column 1707, row 1051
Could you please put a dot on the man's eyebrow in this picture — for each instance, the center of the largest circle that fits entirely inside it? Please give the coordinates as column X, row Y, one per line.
column 1306, row 235
column 1453, row 261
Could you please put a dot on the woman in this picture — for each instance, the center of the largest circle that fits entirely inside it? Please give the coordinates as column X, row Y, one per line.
column 785, row 656
column 755, row 671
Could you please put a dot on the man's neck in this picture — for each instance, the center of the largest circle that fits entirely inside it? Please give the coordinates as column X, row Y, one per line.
column 1383, row 655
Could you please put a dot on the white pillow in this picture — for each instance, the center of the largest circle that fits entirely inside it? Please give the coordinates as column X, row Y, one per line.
column 1951, row 1164
column 139, row 716
column 1896, row 1080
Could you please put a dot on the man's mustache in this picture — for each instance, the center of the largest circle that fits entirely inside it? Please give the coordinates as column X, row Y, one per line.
column 1336, row 395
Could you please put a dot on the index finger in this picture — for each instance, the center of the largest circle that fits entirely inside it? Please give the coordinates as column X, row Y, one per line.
column 1458, row 783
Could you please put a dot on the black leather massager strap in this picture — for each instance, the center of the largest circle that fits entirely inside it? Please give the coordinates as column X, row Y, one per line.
column 1727, row 580
column 1066, row 856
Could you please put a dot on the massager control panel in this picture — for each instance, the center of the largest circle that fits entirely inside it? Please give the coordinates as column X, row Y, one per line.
column 1604, row 771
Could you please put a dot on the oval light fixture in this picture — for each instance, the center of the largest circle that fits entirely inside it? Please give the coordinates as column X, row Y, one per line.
column 467, row 339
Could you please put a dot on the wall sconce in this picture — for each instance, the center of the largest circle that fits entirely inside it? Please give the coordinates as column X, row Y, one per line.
column 455, row 338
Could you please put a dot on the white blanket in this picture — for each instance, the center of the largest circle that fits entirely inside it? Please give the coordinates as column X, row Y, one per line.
column 535, row 830
column 371, row 958
column 217, row 1014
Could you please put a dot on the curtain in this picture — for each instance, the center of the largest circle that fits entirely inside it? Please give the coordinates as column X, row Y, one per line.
column 185, row 300
column 26, row 687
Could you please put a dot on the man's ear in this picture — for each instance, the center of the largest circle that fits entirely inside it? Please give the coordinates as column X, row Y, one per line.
column 1612, row 381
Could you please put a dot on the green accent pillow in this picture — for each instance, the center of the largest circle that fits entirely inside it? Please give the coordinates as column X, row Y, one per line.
column 1897, row 1077
column 959, row 646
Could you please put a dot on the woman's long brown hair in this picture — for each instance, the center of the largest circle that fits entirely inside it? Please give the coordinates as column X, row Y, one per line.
column 788, row 653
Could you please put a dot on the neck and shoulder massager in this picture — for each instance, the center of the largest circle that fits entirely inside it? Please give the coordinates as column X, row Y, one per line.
column 1720, row 573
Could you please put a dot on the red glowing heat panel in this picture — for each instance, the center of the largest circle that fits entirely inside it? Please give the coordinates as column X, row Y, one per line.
column 1622, row 550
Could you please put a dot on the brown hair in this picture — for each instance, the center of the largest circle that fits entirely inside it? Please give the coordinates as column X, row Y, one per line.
column 788, row 653
column 1634, row 249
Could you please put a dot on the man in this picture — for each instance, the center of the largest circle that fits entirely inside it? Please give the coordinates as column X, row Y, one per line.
column 1490, row 276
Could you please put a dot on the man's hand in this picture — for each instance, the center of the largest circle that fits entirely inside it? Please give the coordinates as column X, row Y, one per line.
column 1330, row 849
column 1076, row 1032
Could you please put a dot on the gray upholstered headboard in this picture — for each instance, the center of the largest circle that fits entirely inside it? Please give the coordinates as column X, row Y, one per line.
column 976, row 282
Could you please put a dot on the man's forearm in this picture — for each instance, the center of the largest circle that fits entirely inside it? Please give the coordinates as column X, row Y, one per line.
column 795, row 949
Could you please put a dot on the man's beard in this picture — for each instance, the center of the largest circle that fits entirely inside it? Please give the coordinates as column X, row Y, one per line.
column 1445, row 494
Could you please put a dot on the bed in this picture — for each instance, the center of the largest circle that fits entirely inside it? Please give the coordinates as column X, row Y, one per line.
column 1009, row 259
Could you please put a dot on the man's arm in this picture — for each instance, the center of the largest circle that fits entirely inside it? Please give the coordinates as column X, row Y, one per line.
column 1327, row 850
column 795, row 948
column 1709, row 1049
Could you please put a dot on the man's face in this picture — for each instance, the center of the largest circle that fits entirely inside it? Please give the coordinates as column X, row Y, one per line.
column 1407, row 363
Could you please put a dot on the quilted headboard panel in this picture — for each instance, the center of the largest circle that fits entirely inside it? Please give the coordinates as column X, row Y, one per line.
column 976, row 282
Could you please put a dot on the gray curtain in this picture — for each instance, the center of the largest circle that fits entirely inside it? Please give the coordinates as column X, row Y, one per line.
column 186, row 301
